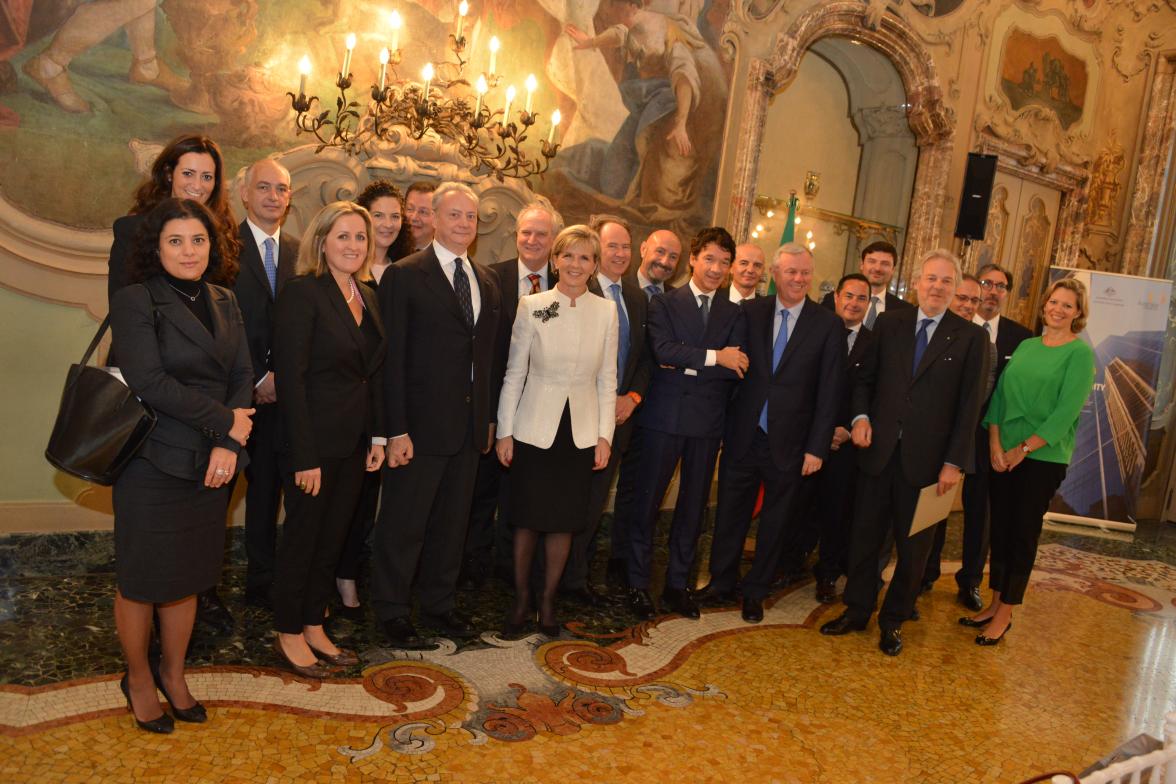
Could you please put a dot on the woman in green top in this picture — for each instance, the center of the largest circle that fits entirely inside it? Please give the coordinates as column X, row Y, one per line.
column 1031, row 422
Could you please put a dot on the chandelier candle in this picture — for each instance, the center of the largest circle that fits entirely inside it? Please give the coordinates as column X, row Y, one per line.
column 347, row 56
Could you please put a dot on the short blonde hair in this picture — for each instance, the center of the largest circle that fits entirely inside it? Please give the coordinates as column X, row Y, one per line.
column 1079, row 289
column 311, row 258
column 576, row 233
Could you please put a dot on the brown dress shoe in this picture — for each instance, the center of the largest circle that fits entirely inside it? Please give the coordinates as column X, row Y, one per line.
column 55, row 79
column 316, row 671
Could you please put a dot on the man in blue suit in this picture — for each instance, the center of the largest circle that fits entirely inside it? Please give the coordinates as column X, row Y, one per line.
column 696, row 339
column 780, row 425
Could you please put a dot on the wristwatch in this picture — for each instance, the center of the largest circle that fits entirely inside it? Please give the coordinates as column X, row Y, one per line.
column 1025, row 447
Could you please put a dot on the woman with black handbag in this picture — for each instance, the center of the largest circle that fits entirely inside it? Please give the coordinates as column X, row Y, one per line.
column 183, row 352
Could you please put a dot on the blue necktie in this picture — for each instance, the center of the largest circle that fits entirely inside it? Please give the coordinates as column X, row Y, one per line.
column 271, row 266
column 777, row 353
column 651, row 291
column 622, row 332
column 920, row 343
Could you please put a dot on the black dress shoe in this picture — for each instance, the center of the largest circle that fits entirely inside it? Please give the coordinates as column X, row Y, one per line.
column 987, row 641
column 350, row 613
column 161, row 726
column 827, row 591
column 450, row 623
column 402, row 634
column 842, row 624
column 753, row 610
column 891, row 642
column 211, row 611
column 551, row 630
column 711, row 595
column 926, row 586
column 974, row 624
column 677, row 600
column 641, row 603
column 970, row 598
column 914, row 616
column 586, row 596
column 785, row 579
column 618, row 573
column 194, row 715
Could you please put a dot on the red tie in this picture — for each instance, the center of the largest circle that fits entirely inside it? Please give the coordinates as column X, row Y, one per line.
column 534, row 282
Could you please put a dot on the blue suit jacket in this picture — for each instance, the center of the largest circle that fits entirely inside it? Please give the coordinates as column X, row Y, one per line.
column 691, row 403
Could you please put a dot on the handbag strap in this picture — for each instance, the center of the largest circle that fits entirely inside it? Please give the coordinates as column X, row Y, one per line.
column 97, row 339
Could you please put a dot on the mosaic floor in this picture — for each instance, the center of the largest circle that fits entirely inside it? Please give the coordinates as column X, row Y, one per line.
column 1091, row 661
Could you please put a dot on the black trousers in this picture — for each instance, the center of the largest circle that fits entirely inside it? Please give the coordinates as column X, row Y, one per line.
column 975, row 539
column 488, row 540
column 312, row 539
column 1020, row 499
column 356, row 548
column 885, row 505
column 660, row 454
column 739, row 483
column 421, row 532
column 262, row 497
column 584, row 544
column 625, row 498
column 833, row 508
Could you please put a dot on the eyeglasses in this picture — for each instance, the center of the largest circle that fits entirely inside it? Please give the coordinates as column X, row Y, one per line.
column 991, row 284
column 965, row 299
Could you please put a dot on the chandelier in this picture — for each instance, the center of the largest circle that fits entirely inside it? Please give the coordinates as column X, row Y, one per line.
column 492, row 141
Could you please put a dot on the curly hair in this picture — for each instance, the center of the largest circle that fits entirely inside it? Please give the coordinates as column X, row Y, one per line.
column 144, row 261
column 158, row 186
column 383, row 189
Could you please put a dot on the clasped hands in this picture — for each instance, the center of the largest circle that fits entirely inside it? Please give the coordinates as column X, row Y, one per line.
column 222, row 462
column 505, row 450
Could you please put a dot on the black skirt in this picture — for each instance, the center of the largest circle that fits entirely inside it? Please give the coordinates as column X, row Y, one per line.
column 169, row 534
column 549, row 487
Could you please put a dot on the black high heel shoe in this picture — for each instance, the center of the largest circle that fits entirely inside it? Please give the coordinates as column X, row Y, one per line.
column 193, row 715
column 160, row 726
column 974, row 624
column 516, row 624
column 987, row 641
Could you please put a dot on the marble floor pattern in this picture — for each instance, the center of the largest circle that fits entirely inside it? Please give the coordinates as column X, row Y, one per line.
column 1089, row 664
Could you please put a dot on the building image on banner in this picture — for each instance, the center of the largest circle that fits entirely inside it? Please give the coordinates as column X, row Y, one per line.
column 1126, row 329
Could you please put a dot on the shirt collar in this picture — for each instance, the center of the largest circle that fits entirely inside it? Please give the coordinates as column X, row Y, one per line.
column 922, row 315
column 444, row 255
column 736, row 297
column 856, row 327
column 697, row 292
column 980, row 322
column 524, row 271
column 645, row 282
column 260, row 236
column 606, row 282
column 793, row 312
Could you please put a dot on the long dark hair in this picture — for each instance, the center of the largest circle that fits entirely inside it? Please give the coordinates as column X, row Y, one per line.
column 158, row 186
column 144, row 261
column 379, row 189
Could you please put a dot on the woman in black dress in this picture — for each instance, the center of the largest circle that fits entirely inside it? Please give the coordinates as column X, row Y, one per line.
column 556, row 416
column 183, row 351
column 328, row 351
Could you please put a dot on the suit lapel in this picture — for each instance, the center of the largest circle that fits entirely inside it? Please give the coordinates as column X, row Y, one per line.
column 330, row 290
column 370, row 299
column 218, row 305
column 287, row 258
column 251, row 258
column 798, row 332
column 483, row 280
column 944, row 336
column 168, row 304
column 442, row 288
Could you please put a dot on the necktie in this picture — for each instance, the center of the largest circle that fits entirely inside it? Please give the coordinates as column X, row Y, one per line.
column 920, row 343
column 872, row 315
column 988, row 331
column 777, row 352
column 850, row 338
column 705, row 307
column 461, row 287
column 651, row 291
column 534, row 283
column 622, row 332
column 271, row 266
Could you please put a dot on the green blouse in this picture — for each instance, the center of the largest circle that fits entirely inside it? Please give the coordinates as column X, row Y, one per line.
column 1042, row 391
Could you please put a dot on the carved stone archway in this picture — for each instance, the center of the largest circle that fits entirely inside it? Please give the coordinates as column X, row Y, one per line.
column 931, row 120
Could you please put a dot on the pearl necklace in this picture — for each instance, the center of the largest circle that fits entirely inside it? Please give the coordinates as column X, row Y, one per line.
column 354, row 291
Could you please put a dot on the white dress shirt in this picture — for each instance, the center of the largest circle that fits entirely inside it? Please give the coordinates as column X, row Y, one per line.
column 448, row 264
column 993, row 326
column 711, row 354
column 525, row 284
column 793, row 315
column 851, row 338
column 734, row 295
column 260, row 237
column 643, row 281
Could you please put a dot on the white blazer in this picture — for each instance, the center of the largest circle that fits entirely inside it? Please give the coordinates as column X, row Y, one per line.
column 569, row 358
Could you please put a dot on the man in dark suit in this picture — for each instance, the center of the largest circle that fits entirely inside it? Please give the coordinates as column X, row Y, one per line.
column 915, row 406
column 488, row 542
column 419, row 213
column 832, row 489
column 877, row 265
column 441, row 316
column 779, row 426
column 1006, row 335
column 696, row 339
column 267, row 262
column 659, row 262
column 633, row 372
column 746, row 273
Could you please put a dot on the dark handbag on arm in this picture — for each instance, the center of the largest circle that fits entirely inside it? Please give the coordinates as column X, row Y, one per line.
column 100, row 423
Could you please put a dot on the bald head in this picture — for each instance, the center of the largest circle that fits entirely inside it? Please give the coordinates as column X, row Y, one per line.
column 265, row 193
column 748, row 268
column 659, row 255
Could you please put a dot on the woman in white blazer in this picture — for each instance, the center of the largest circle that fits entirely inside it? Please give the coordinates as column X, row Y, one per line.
column 556, row 416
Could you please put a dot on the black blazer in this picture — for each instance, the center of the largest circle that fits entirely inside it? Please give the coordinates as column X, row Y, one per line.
column 853, row 367
column 892, row 302
column 256, row 300
column 935, row 410
column 690, row 404
column 506, row 275
column 429, row 392
column 637, row 370
column 192, row 379
column 631, row 276
column 802, row 394
column 328, row 380
column 1009, row 335
column 125, row 229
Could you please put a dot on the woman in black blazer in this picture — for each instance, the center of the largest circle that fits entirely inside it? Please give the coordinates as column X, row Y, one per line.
column 183, row 351
column 328, row 352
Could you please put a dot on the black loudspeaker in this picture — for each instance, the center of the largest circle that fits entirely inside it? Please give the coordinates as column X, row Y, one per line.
column 973, row 217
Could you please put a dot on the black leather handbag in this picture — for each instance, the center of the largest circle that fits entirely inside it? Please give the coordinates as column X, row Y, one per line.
column 100, row 423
